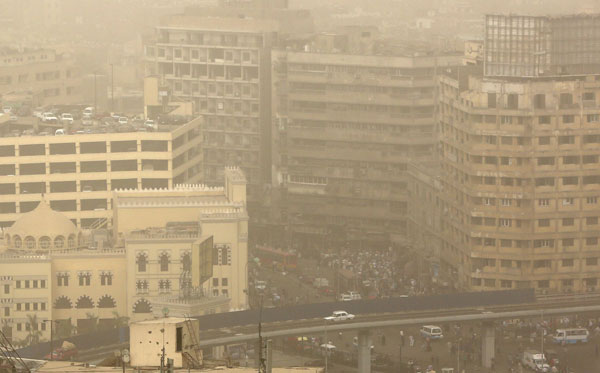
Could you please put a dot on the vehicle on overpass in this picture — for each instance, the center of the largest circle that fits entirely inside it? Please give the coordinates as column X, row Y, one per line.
column 340, row 316
column 565, row 336
column 432, row 332
column 535, row 360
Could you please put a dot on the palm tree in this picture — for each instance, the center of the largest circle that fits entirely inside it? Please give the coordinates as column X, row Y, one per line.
column 93, row 322
column 34, row 333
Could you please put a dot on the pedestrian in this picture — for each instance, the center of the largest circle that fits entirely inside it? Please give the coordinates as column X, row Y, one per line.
column 411, row 341
column 596, row 350
column 383, row 342
column 402, row 337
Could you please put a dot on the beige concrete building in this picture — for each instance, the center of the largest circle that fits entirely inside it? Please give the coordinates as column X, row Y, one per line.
column 77, row 173
column 50, row 77
column 182, row 249
column 520, row 181
column 349, row 114
column 159, row 227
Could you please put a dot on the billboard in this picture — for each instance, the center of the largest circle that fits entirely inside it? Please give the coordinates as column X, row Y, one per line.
column 202, row 267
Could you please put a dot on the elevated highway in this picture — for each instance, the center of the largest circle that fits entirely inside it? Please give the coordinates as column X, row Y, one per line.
column 486, row 307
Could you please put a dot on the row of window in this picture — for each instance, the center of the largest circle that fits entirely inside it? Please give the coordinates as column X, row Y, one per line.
column 28, row 326
column 30, row 306
column 541, row 284
column 27, row 284
column 539, row 181
column 542, row 202
column 164, row 260
column 508, row 222
column 524, row 244
column 85, row 279
column 84, row 302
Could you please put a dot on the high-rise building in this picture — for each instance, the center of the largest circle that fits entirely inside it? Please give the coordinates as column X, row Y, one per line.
column 532, row 46
column 219, row 59
column 519, row 172
column 350, row 112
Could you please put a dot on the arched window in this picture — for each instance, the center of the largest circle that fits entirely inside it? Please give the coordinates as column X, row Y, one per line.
column 141, row 286
column 17, row 242
column 142, row 306
column 63, row 303
column 59, row 242
column 29, row 242
column 186, row 262
column 164, row 262
column 164, row 286
column 45, row 242
column 107, row 302
column 142, row 261
column 71, row 241
column 84, row 302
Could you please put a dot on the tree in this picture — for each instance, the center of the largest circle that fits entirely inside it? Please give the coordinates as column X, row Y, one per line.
column 34, row 333
column 120, row 321
column 92, row 323
column 64, row 329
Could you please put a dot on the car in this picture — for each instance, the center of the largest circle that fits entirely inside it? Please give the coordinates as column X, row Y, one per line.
column 123, row 120
column 260, row 285
column 7, row 109
column 59, row 132
column 340, row 316
column 345, row 297
column 88, row 112
column 66, row 118
column 49, row 117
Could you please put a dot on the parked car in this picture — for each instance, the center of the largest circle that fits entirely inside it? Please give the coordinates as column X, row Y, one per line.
column 66, row 118
column 123, row 120
column 535, row 360
column 49, row 117
column 340, row 316
column 64, row 352
column 88, row 112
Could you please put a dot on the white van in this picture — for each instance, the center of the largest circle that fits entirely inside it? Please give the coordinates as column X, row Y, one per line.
column 432, row 332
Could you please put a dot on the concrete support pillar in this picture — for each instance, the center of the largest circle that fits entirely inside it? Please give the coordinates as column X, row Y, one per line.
column 364, row 351
column 488, row 348
column 269, row 356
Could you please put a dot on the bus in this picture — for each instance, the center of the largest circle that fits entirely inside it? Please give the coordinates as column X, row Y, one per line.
column 564, row 336
column 282, row 259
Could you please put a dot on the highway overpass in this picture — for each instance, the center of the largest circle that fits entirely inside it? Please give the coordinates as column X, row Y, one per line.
column 485, row 307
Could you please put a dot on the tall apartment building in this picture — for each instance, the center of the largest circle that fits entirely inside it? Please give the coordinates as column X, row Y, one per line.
column 348, row 119
column 49, row 77
column 77, row 173
column 219, row 59
column 520, row 180
column 531, row 46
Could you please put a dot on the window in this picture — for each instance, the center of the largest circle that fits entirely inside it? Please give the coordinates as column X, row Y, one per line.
column 141, row 286
column 224, row 281
column 62, row 279
column 567, row 222
column 505, row 283
column 6, row 312
column 186, row 262
column 543, row 284
column 567, row 282
column 18, row 284
column 587, row 159
column 489, row 242
column 106, row 279
column 589, row 96
column 26, row 284
column 544, row 140
column 505, row 263
column 544, row 119
column 543, row 243
column 215, row 282
column 489, row 201
column 164, row 262
column 142, row 261
column 179, row 339
column 505, row 243
column 571, row 159
column 18, row 306
column 593, row 118
column 539, row 101
column 506, row 202
column 505, row 222
column 568, row 201
column 567, row 262
column 6, row 289
column 164, row 286
column 85, row 279
column 35, row 284
column 543, row 222
column 489, row 282
column 491, row 100
column 43, row 284
column 591, row 261
column 545, row 161
column 568, row 242
column 570, row 180
column 512, row 101
column 544, row 181
column 592, row 200
column 589, row 241
column 568, row 119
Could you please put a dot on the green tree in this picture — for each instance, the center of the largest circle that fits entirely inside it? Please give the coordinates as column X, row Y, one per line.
column 34, row 333
column 64, row 329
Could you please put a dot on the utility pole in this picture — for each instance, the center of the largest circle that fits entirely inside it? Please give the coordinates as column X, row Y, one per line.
column 458, row 357
column 262, row 368
column 95, row 94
